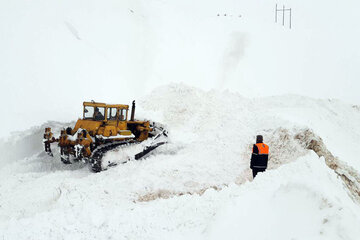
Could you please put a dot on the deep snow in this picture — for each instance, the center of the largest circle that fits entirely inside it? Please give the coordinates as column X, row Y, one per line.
column 199, row 186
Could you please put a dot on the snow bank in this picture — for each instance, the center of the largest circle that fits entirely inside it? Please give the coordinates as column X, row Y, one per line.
column 302, row 200
column 26, row 143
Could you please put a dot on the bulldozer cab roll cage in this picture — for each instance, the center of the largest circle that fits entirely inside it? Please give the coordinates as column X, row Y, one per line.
column 105, row 112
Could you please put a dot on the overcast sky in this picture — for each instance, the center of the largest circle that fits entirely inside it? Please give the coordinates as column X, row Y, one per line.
column 57, row 54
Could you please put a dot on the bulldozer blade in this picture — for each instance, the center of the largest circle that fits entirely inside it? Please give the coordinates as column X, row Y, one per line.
column 147, row 150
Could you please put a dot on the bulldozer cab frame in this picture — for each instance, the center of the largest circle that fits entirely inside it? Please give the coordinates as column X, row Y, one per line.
column 105, row 112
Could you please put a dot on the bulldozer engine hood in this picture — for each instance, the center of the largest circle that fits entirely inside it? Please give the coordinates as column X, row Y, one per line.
column 89, row 125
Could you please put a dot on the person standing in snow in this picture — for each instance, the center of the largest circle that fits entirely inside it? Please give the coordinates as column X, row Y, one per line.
column 259, row 156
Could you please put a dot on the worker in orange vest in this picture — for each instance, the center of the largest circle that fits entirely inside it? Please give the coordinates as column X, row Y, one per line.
column 259, row 157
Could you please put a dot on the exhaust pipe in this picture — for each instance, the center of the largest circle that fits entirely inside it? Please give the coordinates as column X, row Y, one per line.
column 132, row 111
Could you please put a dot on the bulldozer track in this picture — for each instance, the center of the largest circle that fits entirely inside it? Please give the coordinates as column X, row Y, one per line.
column 100, row 151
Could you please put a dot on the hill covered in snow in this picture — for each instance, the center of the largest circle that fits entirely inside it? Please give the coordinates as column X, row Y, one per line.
column 198, row 186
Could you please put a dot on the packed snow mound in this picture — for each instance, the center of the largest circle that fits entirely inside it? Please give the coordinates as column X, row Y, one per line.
column 26, row 143
column 302, row 200
column 195, row 115
column 210, row 139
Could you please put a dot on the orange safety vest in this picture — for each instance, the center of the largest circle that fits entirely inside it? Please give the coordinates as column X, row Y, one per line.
column 263, row 148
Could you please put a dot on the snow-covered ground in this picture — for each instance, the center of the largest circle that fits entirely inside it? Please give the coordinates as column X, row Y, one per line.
column 198, row 186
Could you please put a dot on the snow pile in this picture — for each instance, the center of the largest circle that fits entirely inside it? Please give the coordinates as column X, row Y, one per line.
column 302, row 200
column 26, row 143
column 199, row 185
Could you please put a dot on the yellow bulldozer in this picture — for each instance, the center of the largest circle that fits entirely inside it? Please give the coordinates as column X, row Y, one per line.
column 103, row 127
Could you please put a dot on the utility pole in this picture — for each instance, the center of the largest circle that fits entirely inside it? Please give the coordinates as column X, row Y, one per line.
column 283, row 10
column 290, row 19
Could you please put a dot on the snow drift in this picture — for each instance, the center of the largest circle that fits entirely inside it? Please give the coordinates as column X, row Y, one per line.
column 199, row 185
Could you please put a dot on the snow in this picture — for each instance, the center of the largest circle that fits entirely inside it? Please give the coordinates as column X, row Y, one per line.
column 302, row 200
column 55, row 55
column 117, row 136
column 199, row 185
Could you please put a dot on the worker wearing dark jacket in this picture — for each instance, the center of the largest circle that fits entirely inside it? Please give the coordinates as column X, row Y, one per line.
column 259, row 157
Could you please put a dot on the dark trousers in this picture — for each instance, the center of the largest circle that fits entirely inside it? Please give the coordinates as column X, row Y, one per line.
column 47, row 147
column 256, row 170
